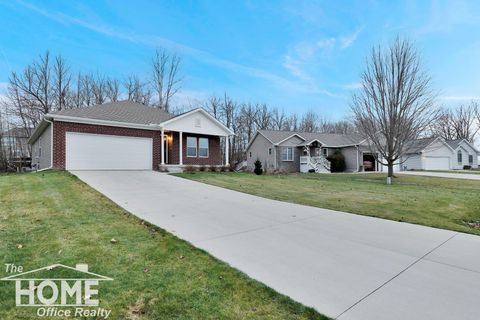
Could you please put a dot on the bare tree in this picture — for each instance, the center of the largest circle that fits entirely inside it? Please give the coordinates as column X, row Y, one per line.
column 213, row 106
column 112, row 89
column 263, row 118
column 309, row 122
column 463, row 121
column 279, row 119
column 458, row 123
column 166, row 80
column 395, row 103
column 137, row 91
column 61, row 85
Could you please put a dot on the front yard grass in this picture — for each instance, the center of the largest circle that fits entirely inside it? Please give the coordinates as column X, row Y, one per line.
column 430, row 201
column 53, row 217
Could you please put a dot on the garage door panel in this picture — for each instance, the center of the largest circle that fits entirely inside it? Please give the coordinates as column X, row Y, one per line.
column 437, row 163
column 86, row 151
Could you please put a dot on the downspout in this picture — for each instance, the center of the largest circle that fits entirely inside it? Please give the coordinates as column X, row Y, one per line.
column 51, row 147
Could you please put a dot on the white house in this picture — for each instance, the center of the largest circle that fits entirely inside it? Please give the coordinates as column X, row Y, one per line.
column 437, row 154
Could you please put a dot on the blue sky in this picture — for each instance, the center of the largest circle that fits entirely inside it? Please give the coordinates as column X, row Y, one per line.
column 294, row 55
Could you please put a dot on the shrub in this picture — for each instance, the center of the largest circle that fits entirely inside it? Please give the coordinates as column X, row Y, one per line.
column 467, row 167
column 223, row 168
column 202, row 168
column 189, row 169
column 337, row 162
column 258, row 167
column 311, row 170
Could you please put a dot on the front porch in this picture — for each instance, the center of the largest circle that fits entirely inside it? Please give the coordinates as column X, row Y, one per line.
column 180, row 149
column 313, row 158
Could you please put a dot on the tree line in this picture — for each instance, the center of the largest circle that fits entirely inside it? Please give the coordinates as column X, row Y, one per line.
column 395, row 103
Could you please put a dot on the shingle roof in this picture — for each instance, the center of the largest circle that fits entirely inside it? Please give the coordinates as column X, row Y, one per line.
column 454, row 143
column 329, row 139
column 415, row 146
column 120, row 111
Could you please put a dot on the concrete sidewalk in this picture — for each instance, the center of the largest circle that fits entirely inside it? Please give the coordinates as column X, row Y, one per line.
column 344, row 265
column 453, row 175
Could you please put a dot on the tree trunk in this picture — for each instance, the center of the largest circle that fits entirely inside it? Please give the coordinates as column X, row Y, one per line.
column 390, row 173
column 390, row 170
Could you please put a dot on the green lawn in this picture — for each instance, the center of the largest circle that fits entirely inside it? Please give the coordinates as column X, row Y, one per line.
column 55, row 218
column 436, row 202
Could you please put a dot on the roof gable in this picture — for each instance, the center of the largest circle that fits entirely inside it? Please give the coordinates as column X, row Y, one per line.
column 196, row 121
column 327, row 139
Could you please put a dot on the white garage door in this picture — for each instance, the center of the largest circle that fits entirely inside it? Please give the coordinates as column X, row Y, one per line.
column 437, row 163
column 86, row 151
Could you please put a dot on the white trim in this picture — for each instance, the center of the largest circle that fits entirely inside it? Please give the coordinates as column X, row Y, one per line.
column 196, row 147
column 103, row 122
column 208, row 147
column 310, row 142
column 469, row 144
column 227, row 141
column 295, row 134
column 162, row 143
column 281, row 154
column 180, row 141
column 208, row 115
column 254, row 137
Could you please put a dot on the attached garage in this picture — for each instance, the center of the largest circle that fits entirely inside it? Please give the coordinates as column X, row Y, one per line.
column 437, row 163
column 85, row 151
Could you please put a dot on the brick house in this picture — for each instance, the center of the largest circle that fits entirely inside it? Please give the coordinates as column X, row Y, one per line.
column 127, row 136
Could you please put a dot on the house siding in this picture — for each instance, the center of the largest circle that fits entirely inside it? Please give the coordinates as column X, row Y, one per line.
column 60, row 129
column 350, row 154
column 466, row 151
column 412, row 162
column 44, row 141
column 258, row 149
column 290, row 166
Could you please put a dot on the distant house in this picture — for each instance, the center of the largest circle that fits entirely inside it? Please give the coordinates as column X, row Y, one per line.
column 290, row 151
column 15, row 143
column 438, row 154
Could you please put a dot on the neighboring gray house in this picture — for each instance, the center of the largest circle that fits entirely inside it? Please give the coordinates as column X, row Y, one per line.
column 303, row 151
column 290, row 151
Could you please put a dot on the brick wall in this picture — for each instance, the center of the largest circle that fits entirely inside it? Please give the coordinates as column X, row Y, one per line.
column 60, row 129
column 214, row 155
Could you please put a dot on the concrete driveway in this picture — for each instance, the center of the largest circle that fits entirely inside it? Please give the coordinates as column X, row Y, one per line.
column 345, row 266
column 453, row 175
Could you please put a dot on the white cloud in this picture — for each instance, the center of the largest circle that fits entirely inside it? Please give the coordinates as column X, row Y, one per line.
column 302, row 53
column 348, row 40
column 186, row 98
column 352, row 86
column 459, row 98
column 156, row 41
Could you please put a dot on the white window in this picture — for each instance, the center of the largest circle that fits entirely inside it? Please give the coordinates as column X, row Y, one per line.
column 203, row 147
column 459, row 156
column 269, row 151
column 250, row 153
column 325, row 152
column 470, row 159
column 287, row 154
column 191, row 147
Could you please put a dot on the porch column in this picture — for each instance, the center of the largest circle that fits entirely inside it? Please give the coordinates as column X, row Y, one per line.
column 162, row 143
column 226, row 150
column 180, row 151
